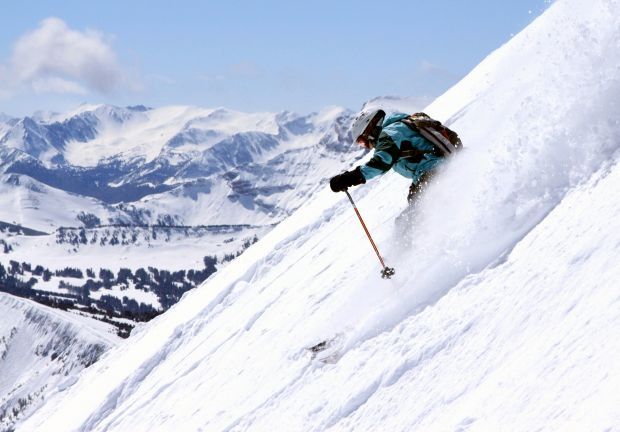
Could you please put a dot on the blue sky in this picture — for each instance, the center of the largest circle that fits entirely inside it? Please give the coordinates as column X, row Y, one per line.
column 266, row 55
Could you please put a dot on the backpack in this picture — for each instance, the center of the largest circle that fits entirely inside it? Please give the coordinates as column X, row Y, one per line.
column 445, row 140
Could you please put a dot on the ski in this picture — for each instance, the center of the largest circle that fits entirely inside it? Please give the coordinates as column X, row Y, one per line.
column 328, row 350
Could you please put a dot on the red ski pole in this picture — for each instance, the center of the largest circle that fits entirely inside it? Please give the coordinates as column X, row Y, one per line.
column 387, row 272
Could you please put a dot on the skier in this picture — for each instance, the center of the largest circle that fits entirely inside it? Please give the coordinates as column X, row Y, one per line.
column 396, row 145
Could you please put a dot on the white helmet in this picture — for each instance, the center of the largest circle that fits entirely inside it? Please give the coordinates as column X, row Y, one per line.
column 367, row 123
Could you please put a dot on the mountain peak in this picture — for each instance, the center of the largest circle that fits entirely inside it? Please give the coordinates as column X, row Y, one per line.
column 505, row 275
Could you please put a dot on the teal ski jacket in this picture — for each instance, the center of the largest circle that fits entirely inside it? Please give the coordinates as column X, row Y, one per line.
column 402, row 149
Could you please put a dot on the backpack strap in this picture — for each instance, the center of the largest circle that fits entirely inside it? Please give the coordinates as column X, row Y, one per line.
column 445, row 140
column 412, row 154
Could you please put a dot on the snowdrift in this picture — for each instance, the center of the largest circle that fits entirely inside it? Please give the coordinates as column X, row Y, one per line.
column 42, row 349
column 504, row 302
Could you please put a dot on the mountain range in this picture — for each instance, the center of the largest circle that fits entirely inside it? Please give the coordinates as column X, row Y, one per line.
column 141, row 166
column 116, row 212
column 502, row 312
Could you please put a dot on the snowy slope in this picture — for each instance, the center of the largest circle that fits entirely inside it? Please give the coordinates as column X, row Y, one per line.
column 398, row 104
column 182, row 166
column 133, row 188
column 503, row 309
column 42, row 349
column 32, row 204
column 139, row 165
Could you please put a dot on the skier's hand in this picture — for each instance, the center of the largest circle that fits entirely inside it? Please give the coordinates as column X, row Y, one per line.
column 343, row 181
column 337, row 184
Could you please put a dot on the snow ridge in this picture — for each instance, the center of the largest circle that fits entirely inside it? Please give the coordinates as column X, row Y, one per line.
column 502, row 309
column 41, row 351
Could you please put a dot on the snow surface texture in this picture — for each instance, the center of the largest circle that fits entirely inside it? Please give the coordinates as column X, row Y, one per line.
column 503, row 310
column 42, row 350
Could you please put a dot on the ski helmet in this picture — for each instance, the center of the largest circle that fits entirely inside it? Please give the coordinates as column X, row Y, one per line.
column 367, row 124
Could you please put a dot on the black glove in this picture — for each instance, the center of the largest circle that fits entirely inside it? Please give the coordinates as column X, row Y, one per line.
column 343, row 181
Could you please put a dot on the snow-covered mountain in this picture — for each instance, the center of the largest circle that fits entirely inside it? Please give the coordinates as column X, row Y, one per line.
column 187, row 165
column 504, row 308
column 42, row 350
column 97, row 203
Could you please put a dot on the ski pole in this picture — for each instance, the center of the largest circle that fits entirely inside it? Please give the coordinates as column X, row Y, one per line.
column 387, row 272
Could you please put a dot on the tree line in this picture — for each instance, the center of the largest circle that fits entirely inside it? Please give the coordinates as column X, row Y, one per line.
column 20, row 279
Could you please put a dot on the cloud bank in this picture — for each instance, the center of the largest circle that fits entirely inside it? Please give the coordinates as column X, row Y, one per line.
column 57, row 59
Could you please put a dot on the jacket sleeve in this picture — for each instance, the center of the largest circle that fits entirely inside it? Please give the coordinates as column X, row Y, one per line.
column 385, row 155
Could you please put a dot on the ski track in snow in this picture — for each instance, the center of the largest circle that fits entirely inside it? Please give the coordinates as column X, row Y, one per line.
column 116, row 399
column 502, row 308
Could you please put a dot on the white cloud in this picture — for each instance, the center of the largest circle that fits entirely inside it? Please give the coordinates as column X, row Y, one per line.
column 57, row 85
column 54, row 58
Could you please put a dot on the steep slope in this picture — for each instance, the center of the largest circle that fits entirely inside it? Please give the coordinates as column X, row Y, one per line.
column 504, row 301
column 42, row 349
